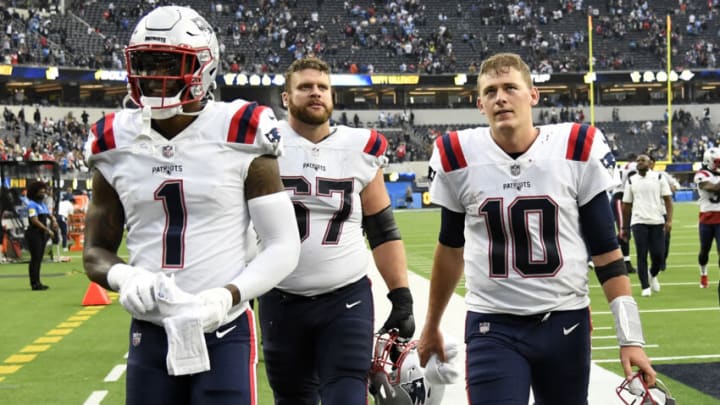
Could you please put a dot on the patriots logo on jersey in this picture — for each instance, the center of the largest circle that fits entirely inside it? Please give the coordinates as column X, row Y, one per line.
column 608, row 161
column 273, row 135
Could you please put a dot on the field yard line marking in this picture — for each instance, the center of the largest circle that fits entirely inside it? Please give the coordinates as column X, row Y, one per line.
column 603, row 327
column 617, row 347
column 664, row 284
column 95, row 398
column 670, row 358
column 647, row 311
column 54, row 335
column 115, row 373
column 603, row 337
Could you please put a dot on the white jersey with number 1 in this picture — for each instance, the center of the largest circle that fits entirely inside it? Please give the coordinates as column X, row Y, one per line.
column 524, row 252
column 184, row 198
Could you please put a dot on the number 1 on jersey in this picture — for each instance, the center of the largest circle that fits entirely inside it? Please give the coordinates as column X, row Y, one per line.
column 173, row 200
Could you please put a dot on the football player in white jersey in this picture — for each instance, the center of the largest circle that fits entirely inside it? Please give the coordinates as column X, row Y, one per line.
column 517, row 201
column 317, row 324
column 186, row 175
column 708, row 184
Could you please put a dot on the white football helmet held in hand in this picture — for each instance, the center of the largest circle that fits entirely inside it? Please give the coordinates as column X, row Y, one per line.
column 172, row 60
column 636, row 392
column 400, row 381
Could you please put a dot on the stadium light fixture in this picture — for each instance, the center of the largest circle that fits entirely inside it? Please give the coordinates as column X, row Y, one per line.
column 661, row 76
column 635, row 76
column 687, row 75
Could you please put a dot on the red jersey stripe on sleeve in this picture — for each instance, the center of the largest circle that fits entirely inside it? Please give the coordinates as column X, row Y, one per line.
column 580, row 142
column 244, row 124
column 451, row 154
column 104, row 134
column 376, row 144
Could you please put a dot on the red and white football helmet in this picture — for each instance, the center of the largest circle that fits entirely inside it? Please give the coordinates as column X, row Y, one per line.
column 711, row 159
column 636, row 392
column 400, row 381
column 172, row 60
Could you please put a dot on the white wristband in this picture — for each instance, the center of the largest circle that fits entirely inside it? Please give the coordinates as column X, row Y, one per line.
column 627, row 321
column 118, row 274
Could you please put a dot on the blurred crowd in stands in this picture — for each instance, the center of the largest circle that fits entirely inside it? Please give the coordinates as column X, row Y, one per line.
column 37, row 138
column 427, row 36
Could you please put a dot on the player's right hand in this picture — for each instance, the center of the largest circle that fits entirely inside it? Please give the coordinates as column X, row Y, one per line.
column 216, row 303
column 431, row 342
column 136, row 287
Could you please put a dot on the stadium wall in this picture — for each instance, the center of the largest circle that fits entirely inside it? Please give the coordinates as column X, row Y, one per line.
column 459, row 116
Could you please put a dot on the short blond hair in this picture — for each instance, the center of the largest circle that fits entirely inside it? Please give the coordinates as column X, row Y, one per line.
column 305, row 63
column 501, row 63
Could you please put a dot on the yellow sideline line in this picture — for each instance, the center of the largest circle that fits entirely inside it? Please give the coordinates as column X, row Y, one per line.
column 27, row 354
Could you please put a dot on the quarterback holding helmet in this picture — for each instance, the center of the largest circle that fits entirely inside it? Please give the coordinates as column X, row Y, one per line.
column 707, row 180
column 396, row 377
column 187, row 175
column 635, row 391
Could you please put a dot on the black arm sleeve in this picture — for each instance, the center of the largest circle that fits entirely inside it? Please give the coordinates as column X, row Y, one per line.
column 597, row 225
column 452, row 228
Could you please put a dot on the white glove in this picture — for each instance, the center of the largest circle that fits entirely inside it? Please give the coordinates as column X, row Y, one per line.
column 136, row 287
column 216, row 303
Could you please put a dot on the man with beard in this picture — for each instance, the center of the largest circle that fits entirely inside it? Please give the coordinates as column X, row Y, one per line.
column 317, row 324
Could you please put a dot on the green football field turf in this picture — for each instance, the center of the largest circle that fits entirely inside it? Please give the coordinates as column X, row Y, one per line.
column 55, row 351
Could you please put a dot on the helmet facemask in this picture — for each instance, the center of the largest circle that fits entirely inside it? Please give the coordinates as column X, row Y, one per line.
column 172, row 61
column 636, row 392
column 166, row 78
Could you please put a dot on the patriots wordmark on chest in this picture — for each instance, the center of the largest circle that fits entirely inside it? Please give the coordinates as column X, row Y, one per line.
column 167, row 169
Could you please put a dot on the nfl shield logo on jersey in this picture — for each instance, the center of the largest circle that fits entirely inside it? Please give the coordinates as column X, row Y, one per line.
column 515, row 169
column 168, row 151
column 484, row 327
column 136, row 338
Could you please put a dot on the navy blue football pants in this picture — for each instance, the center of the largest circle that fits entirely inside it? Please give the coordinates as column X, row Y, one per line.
column 649, row 239
column 230, row 380
column 318, row 348
column 506, row 354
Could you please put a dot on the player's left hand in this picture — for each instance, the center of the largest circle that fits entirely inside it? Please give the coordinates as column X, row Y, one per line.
column 636, row 356
column 401, row 315
column 216, row 303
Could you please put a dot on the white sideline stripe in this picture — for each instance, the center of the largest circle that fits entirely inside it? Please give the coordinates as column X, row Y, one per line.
column 602, row 381
column 116, row 373
column 648, row 311
column 662, row 283
column 95, row 398
column 616, row 347
column 669, row 358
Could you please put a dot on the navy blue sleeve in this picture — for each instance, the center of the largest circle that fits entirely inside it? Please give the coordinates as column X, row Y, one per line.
column 452, row 228
column 597, row 225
